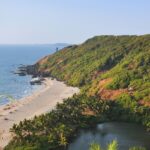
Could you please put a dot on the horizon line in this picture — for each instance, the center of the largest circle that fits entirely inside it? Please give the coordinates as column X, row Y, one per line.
column 35, row 44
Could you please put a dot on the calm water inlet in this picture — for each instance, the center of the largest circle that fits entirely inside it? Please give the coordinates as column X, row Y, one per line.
column 126, row 134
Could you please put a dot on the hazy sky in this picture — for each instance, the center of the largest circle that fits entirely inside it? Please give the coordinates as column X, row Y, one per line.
column 70, row 21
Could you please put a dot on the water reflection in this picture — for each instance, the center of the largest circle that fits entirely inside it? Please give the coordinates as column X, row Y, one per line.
column 126, row 134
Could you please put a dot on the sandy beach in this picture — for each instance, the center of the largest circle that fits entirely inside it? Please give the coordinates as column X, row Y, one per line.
column 41, row 101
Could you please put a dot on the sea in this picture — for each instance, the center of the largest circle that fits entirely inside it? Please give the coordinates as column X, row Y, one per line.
column 15, row 87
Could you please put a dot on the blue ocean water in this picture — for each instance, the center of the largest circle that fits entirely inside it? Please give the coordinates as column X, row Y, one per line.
column 11, row 57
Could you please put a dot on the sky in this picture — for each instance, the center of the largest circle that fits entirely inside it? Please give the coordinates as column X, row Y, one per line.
column 70, row 21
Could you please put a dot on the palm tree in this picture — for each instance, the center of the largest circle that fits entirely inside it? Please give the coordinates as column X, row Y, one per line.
column 112, row 146
column 95, row 146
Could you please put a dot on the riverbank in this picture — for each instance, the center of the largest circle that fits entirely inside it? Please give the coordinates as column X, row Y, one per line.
column 38, row 103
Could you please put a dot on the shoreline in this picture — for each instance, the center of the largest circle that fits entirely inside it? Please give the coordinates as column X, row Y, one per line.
column 9, row 107
column 12, row 106
column 41, row 101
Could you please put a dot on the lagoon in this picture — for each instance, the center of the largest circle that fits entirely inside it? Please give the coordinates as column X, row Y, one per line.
column 127, row 135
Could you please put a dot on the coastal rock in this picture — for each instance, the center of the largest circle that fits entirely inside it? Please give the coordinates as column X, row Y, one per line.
column 27, row 70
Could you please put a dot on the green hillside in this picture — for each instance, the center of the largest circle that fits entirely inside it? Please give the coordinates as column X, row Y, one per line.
column 124, row 59
column 113, row 73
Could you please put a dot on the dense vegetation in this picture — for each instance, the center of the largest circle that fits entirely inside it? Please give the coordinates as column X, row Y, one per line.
column 113, row 73
column 55, row 129
column 124, row 59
